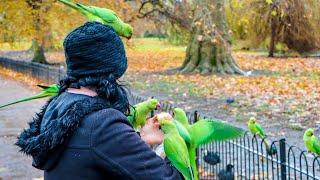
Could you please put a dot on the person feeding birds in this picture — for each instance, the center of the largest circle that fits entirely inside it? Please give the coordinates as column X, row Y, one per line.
column 83, row 131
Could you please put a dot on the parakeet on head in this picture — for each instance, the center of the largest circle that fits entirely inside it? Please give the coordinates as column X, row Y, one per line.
column 104, row 16
column 139, row 112
column 175, row 147
column 47, row 91
column 311, row 141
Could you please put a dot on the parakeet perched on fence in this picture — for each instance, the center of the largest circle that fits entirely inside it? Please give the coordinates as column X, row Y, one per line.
column 256, row 129
column 139, row 112
column 204, row 131
column 102, row 15
column 47, row 91
column 311, row 141
column 175, row 147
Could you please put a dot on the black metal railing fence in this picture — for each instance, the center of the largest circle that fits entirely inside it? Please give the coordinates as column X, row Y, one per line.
column 247, row 154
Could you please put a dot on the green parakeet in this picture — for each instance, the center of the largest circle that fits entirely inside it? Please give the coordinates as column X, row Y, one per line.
column 256, row 129
column 184, row 133
column 175, row 147
column 311, row 141
column 47, row 91
column 204, row 131
column 104, row 16
column 139, row 112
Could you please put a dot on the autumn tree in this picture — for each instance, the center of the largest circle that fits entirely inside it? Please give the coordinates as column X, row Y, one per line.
column 39, row 25
column 44, row 23
column 291, row 22
column 15, row 18
column 209, row 47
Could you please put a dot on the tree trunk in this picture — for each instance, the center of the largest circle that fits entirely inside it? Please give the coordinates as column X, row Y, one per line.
column 273, row 36
column 38, row 53
column 38, row 47
column 209, row 49
column 37, row 42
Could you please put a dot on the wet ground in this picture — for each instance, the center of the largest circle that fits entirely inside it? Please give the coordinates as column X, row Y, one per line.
column 15, row 165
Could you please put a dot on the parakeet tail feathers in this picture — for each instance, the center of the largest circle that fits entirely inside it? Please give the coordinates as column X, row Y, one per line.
column 25, row 99
column 271, row 150
column 69, row 3
column 191, row 172
column 76, row 6
column 42, row 86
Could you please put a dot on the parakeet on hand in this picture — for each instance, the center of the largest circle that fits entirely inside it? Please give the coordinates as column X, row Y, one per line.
column 311, row 141
column 175, row 147
column 139, row 112
column 256, row 129
column 47, row 91
column 104, row 16
column 226, row 174
column 205, row 131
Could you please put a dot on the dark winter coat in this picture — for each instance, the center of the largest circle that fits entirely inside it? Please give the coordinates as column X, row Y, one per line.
column 80, row 137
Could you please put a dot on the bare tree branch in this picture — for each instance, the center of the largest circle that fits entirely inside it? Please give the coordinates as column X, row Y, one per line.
column 157, row 7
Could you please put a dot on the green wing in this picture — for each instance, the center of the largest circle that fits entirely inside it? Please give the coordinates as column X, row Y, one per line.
column 177, row 152
column 182, row 131
column 261, row 131
column 316, row 145
column 131, row 116
column 107, row 15
column 207, row 130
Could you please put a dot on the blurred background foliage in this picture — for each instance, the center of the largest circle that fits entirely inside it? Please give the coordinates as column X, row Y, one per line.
column 249, row 20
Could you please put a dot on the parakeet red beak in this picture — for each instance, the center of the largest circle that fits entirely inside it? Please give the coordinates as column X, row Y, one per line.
column 158, row 107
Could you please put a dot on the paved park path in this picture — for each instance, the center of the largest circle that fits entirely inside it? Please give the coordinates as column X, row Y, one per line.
column 13, row 164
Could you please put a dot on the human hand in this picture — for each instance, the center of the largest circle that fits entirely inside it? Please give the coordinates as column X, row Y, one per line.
column 150, row 132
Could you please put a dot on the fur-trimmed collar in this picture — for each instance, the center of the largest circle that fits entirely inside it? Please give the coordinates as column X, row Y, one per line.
column 41, row 143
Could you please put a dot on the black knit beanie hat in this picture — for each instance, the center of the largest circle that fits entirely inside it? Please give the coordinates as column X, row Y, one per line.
column 94, row 49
